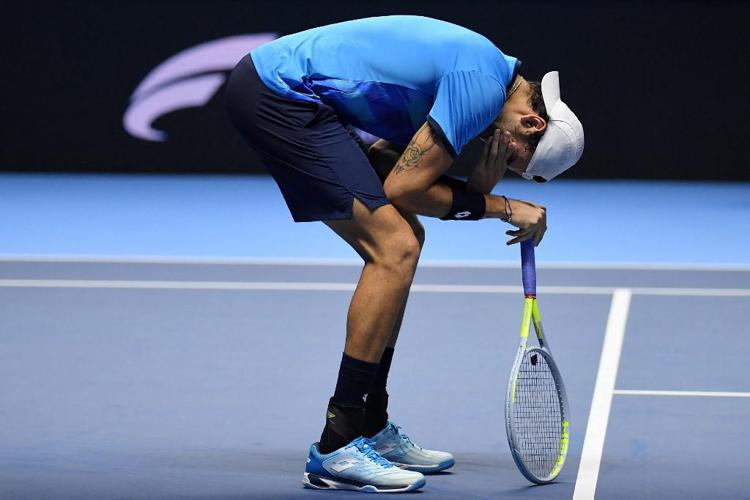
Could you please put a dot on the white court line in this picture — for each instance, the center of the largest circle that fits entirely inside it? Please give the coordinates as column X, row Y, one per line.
column 708, row 394
column 293, row 261
column 596, row 429
column 329, row 286
column 179, row 285
column 700, row 292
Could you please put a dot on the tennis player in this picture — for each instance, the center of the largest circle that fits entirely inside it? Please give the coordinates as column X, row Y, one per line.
column 427, row 88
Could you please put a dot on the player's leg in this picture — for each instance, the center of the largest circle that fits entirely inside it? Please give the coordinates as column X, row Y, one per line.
column 377, row 397
column 390, row 251
column 389, row 440
column 419, row 233
column 383, row 155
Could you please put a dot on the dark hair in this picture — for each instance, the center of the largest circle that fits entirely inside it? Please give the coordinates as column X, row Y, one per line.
column 537, row 104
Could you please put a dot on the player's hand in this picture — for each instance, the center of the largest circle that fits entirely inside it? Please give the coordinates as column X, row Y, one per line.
column 498, row 149
column 530, row 219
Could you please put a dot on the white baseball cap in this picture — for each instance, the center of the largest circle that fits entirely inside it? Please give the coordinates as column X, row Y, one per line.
column 561, row 145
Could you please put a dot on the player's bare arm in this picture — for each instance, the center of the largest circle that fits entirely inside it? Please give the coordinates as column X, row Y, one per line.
column 414, row 186
column 499, row 150
column 411, row 185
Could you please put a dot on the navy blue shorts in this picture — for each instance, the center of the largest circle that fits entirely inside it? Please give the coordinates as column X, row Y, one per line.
column 312, row 155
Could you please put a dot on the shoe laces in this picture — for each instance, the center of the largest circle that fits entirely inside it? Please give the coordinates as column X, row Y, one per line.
column 365, row 446
column 403, row 436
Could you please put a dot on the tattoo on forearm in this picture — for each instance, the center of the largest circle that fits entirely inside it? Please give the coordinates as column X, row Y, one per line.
column 417, row 148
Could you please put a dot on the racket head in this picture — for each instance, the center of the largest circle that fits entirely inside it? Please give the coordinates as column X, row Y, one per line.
column 537, row 415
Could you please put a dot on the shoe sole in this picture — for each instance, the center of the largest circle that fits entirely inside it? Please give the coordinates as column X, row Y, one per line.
column 317, row 482
column 427, row 469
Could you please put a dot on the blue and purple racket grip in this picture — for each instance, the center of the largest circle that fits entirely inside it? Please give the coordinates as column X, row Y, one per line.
column 528, row 268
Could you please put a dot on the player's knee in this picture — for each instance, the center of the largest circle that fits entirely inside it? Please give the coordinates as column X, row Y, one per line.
column 401, row 253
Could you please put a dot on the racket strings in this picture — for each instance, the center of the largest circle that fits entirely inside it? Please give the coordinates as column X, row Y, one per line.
column 537, row 415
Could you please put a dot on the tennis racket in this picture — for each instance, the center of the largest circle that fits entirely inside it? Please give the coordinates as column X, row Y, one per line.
column 536, row 407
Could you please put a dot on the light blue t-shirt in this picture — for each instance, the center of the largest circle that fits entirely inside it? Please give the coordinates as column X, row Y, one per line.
column 388, row 75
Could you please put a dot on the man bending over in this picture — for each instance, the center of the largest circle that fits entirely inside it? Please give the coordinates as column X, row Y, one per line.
column 426, row 87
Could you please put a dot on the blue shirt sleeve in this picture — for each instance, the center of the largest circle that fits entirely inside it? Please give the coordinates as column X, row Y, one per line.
column 465, row 104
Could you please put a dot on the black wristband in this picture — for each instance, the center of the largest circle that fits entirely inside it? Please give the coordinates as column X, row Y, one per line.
column 467, row 205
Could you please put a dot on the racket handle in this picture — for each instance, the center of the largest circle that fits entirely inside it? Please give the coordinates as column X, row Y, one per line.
column 528, row 268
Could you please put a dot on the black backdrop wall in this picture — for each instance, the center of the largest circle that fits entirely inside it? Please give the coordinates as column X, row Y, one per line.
column 661, row 87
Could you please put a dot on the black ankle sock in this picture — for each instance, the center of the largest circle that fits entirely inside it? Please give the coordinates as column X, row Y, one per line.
column 355, row 379
column 345, row 417
column 376, row 415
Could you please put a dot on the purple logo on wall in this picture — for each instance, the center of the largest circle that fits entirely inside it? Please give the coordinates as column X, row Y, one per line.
column 188, row 79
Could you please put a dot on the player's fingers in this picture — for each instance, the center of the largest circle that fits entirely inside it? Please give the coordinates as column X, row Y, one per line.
column 494, row 148
column 518, row 240
column 486, row 151
column 514, row 232
column 525, row 235
column 502, row 151
column 539, row 235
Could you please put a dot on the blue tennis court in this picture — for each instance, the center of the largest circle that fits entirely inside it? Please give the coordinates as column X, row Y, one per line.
column 167, row 332
column 132, row 370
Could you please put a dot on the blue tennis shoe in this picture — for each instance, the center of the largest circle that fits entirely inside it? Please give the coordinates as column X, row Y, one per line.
column 357, row 466
column 395, row 446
